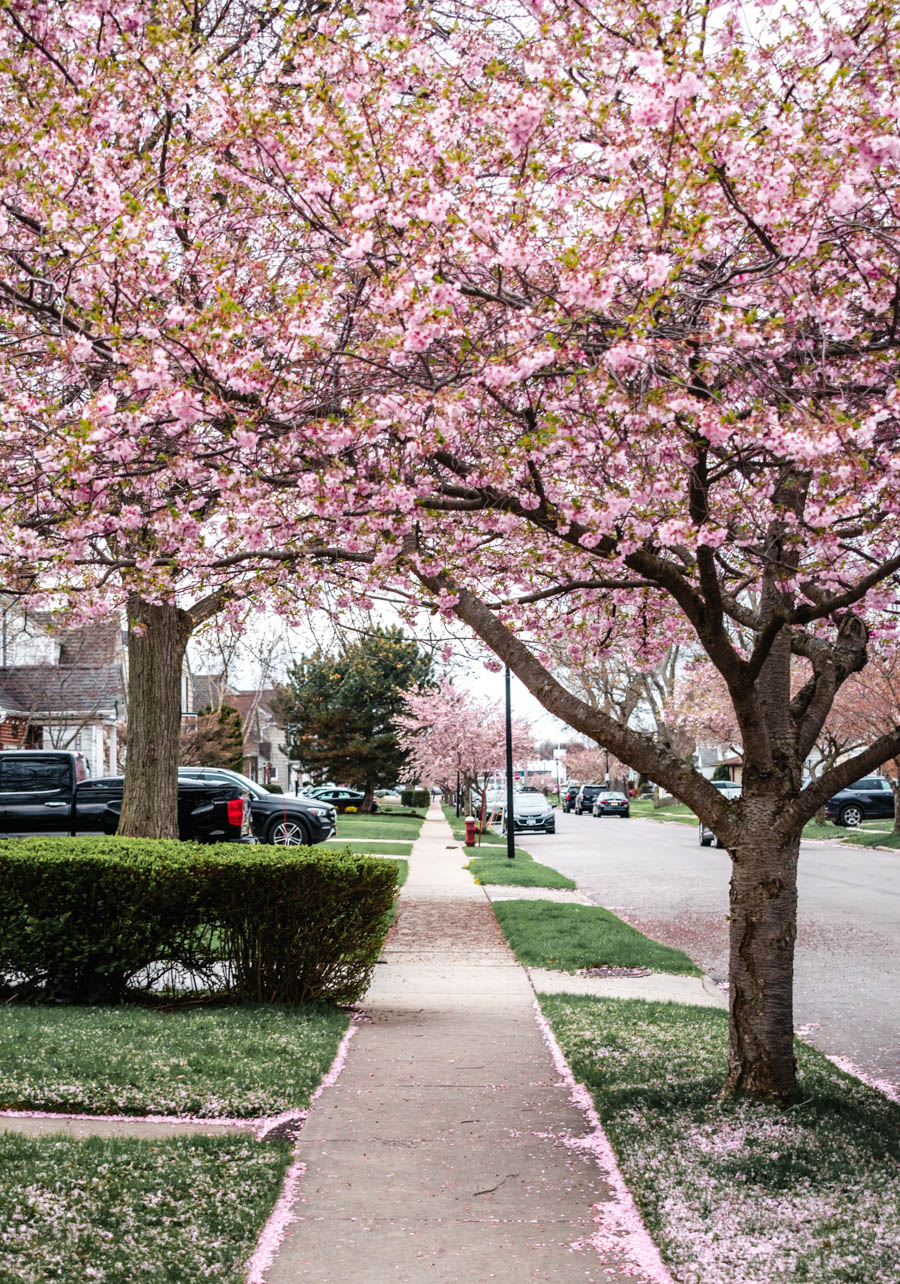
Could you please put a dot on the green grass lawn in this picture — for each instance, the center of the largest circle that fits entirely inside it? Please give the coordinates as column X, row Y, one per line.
column 568, row 937
column 458, row 825
column 522, row 871
column 117, row 1211
column 401, row 828
column 864, row 837
column 732, row 1190
column 674, row 811
column 872, row 833
column 363, row 847
column 215, row 1062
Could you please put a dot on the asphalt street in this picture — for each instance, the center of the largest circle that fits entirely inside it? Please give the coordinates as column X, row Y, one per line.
column 847, row 973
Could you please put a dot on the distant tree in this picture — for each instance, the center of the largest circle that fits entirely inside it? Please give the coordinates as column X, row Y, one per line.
column 216, row 740
column 452, row 735
column 341, row 711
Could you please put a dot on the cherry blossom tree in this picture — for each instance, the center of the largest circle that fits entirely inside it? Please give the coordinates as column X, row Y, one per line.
column 153, row 364
column 579, row 322
column 449, row 732
column 634, row 383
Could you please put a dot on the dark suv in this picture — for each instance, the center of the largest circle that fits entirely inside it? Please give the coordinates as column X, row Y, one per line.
column 570, row 793
column 284, row 819
column 866, row 799
column 585, row 798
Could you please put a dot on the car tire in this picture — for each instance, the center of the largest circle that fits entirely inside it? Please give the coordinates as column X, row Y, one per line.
column 706, row 839
column 287, row 833
column 851, row 816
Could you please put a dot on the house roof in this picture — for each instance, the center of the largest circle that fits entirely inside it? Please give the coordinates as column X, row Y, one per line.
column 97, row 643
column 31, row 690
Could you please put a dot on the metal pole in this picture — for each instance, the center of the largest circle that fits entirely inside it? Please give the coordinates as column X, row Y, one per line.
column 606, row 751
column 510, row 818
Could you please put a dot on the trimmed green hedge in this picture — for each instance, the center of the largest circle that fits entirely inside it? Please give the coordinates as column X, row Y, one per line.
column 88, row 919
column 415, row 798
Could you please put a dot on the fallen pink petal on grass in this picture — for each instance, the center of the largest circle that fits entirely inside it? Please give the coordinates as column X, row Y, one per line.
column 622, row 1236
column 283, row 1213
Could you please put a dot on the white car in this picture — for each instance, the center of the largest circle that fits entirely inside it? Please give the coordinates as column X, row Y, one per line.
column 731, row 790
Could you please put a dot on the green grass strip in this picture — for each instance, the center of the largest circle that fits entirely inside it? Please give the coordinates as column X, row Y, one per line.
column 403, row 829
column 116, row 1210
column 864, row 838
column 361, row 847
column 215, row 1062
column 568, row 937
column 458, row 825
column 522, row 871
column 733, row 1190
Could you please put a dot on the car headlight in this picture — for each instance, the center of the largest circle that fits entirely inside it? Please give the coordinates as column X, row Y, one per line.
column 321, row 811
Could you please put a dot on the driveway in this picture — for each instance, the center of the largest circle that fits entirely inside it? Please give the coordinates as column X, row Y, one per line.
column 847, row 972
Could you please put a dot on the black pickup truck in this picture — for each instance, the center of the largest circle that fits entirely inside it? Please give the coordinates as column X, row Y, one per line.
column 44, row 792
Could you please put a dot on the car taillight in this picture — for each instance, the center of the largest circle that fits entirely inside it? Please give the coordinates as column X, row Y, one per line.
column 236, row 812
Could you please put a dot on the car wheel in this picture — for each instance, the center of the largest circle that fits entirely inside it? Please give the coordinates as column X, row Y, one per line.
column 287, row 833
column 851, row 816
column 705, row 838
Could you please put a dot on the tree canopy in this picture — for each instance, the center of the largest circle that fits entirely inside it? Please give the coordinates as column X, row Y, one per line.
column 342, row 711
column 579, row 322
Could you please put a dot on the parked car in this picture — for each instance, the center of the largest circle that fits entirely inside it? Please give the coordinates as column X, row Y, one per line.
column 867, row 799
column 531, row 813
column 570, row 793
column 340, row 799
column 610, row 803
column 730, row 789
column 43, row 791
column 286, row 819
column 584, row 799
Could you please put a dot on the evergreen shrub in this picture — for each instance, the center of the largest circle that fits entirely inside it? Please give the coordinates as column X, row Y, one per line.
column 415, row 798
column 92, row 919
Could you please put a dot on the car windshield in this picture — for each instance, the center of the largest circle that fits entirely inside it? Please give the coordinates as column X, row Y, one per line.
column 530, row 802
column 610, row 797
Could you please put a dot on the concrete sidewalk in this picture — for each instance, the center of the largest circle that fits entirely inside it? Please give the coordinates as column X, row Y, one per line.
column 441, row 1152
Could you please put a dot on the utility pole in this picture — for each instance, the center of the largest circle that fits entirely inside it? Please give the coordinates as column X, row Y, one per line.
column 510, row 817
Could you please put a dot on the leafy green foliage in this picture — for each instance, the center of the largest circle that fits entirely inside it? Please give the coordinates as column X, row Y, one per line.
column 341, row 710
column 415, row 797
column 86, row 919
column 568, row 937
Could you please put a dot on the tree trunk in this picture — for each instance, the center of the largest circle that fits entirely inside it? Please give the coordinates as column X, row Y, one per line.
column 761, row 966
column 368, row 797
column 157, row 640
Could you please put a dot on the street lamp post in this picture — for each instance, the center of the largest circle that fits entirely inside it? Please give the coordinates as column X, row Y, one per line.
column 510, row 817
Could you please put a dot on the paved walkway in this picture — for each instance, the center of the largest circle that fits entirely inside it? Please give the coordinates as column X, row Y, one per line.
column 441, row 1154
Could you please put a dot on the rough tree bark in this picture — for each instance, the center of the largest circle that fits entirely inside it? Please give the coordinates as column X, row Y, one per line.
column 157, row 640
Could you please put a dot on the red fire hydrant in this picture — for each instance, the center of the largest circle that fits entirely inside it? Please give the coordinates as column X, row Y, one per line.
column 470, row 831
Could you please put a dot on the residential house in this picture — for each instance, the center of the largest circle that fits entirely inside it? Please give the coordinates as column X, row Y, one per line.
column 62, row 688
column 263, row 759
